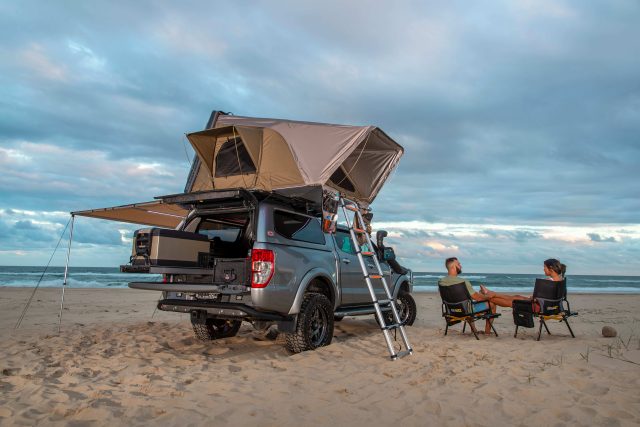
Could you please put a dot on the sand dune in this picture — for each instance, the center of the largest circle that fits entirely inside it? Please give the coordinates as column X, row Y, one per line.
column 115, row 364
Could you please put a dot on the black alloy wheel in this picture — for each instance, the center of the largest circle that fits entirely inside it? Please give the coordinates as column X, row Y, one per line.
column 314, row 326
column 406, row 307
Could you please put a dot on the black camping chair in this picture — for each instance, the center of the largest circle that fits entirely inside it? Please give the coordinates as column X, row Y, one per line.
column 457, row 306
column 547, row 303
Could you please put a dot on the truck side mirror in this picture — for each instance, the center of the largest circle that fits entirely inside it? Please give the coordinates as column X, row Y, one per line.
column 389, row 254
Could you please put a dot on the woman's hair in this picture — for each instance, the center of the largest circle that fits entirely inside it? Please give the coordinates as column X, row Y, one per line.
column 555, row 265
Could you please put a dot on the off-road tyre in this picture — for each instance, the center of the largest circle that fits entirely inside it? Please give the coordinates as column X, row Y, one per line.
column 215, row 329
column 407, row 310
column 315, row 324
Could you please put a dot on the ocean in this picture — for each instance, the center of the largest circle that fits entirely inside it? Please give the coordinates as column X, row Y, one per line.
column 110, row 277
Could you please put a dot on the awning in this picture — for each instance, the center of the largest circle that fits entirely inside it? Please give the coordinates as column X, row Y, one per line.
column 155, row 213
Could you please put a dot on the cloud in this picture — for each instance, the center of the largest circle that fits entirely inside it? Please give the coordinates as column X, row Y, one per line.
column 25, row 225
column 78, row 174
column 512, row 248
column 510, row 113
column 595, row 237
column 35, row 59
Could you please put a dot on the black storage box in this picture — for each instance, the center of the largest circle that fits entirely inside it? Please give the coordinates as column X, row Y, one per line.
column 523, row 313
column 233, row 271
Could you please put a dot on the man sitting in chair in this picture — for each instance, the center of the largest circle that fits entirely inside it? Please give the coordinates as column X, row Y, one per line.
column 480, row 301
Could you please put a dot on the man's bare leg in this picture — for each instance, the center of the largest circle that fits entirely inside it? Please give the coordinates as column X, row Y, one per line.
column 502, row 300
column 487, row 325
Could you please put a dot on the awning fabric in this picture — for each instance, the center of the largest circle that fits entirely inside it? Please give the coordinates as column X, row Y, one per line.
column 356, row 160
column 155, row 213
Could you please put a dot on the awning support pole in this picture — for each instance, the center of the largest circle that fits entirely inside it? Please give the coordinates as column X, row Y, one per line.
column 66, row 271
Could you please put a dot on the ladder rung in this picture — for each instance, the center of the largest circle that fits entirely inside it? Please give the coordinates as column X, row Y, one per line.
column 401, row 354
column 351, row 208
column 392, row 326
column 383, row 301
column 359, row 230
column 375, row 276
column 367, row 253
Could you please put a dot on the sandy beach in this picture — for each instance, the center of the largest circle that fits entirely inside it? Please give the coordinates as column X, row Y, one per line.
column 116, row 362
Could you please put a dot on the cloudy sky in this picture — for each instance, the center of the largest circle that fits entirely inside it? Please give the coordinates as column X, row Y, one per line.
column 520, row 119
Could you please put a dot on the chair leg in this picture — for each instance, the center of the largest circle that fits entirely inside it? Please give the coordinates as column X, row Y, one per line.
column 464, row 326
column 546, row 327
column 570, row 331
column 516, row 334
column 473, row 329
column 494, row 329
column 446, row 329
column 540, row 330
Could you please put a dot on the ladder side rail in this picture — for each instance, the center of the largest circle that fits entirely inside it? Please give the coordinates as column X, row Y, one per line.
column 396, row 315
column 365, row 272
column 394, row 310
column 358, row 250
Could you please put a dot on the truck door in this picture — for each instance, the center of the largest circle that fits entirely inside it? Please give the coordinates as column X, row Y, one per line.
column 352, row 283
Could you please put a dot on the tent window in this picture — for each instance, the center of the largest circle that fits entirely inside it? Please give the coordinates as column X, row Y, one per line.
column 233, row 159
column 340, row 179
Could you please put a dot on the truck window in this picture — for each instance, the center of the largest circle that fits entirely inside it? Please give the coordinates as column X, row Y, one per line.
column 344, row 242
column 225, row 232
column 298, row 227
column 227, row 229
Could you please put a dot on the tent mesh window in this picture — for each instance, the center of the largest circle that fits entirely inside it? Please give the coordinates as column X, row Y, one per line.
column 340, row 179
column 233, row 159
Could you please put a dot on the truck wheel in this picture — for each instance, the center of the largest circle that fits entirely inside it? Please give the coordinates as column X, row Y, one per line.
column 406, row 306
column 215, row 329
column 315, row 324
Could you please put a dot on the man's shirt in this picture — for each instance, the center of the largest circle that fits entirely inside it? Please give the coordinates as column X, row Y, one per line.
column 454, row 280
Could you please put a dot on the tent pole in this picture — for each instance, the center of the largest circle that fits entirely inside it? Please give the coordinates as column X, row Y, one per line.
column 66, row 270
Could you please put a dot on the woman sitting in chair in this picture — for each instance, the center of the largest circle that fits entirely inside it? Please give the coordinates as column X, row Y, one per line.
column 553, row 269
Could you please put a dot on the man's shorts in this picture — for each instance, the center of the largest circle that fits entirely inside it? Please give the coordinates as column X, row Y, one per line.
column 479, row 306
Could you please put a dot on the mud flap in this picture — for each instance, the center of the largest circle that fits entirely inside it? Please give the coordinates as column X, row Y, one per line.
column 199, row 317
column 287, row 326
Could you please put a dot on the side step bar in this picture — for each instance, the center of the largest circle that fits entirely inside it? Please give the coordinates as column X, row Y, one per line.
column 358, row 311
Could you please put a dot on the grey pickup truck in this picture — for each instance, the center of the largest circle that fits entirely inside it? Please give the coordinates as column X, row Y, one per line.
column 262, row 258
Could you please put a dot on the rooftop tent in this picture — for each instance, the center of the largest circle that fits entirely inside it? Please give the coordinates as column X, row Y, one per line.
column 270, row 154
column 156, row 213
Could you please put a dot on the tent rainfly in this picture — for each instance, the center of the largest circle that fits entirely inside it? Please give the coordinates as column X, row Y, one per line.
column 270, row 154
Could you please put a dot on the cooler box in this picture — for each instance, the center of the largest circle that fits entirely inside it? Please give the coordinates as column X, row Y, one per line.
column 169, row 248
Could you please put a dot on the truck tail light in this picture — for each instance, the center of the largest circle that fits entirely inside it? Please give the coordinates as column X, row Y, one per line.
column 262, row 267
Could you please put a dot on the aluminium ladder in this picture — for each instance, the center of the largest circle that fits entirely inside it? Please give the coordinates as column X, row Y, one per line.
column 348, row 205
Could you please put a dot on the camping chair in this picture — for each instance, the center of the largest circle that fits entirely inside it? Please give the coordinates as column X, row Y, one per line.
column 457, row 306
column 547, row 303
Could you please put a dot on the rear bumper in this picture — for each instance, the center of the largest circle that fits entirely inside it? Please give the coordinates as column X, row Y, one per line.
column 219, row 309
column 190, row 287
